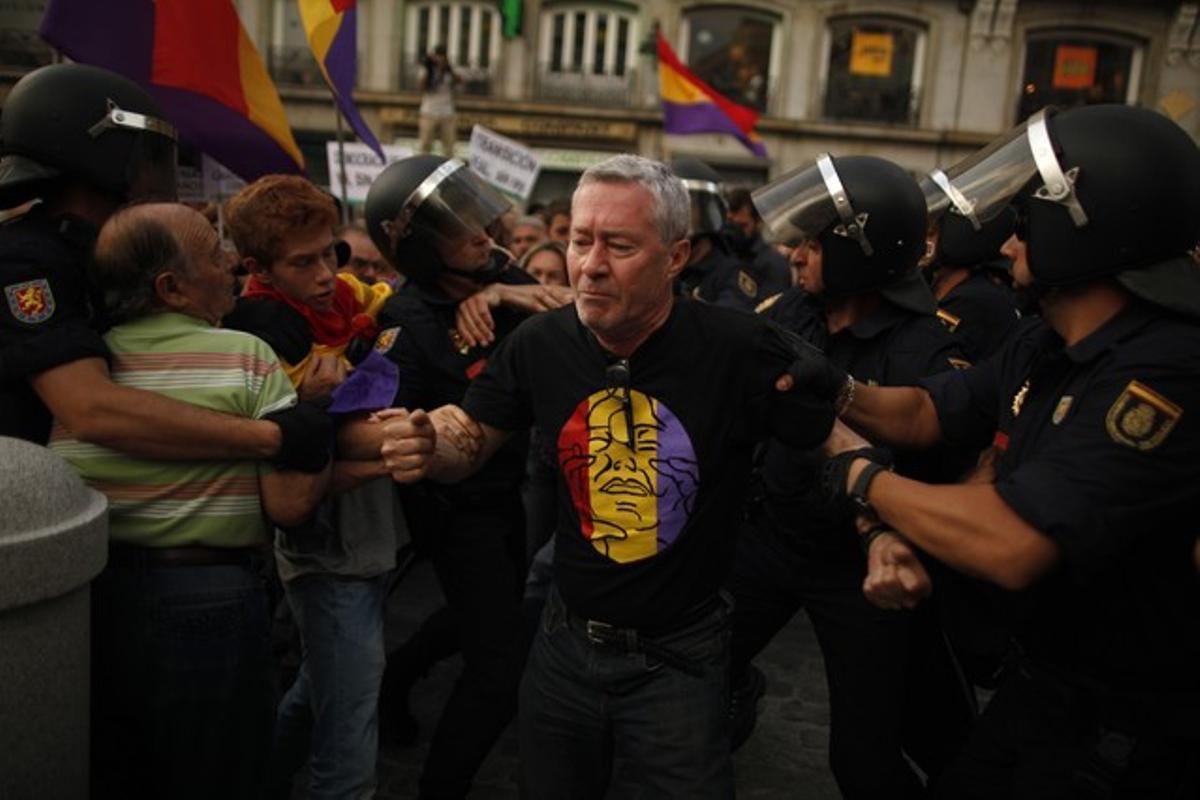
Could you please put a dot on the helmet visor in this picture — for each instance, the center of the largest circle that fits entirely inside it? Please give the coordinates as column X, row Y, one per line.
column 708, row 207
column 805, row 202
column 453, row 204
column 988, row 181
column 152, row 169
column 795, row 207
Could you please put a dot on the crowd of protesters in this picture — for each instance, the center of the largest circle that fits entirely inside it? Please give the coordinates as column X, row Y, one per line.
column 634, row 431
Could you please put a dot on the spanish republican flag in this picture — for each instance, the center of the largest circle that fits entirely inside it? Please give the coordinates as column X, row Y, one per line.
column 692, row 106
column 331, row 27
column 198, row 63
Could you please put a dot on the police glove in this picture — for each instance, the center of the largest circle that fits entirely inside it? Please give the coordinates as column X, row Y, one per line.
column 306, row 437
column 813, row 371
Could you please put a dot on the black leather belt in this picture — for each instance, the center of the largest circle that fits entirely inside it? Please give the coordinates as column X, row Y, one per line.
column 632, row 640
column 128, row 555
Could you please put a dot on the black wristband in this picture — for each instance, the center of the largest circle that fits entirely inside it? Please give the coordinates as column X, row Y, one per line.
column 874, row 532
column 836, row 469
column 858, row 492
column 306, row 437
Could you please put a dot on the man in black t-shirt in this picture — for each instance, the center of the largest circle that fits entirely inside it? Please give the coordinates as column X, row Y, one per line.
column 1087, row 516
column 655, row 407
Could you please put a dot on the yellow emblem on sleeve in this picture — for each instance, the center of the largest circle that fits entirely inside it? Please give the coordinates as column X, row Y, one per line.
column 1141, row 418
column 949, row 320
column 765, row 305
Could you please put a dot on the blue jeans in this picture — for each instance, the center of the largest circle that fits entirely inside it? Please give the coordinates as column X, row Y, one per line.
column 595, row 719
column 329, row 716
column 181, row 681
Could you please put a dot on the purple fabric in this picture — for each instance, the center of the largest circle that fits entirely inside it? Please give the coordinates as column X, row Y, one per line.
column 678, row 476
column 340, row 63
column 679, row 118
column 371, row 386
column 119, row 35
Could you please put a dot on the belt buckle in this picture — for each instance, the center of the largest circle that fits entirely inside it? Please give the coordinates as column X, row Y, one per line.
column 599, row 632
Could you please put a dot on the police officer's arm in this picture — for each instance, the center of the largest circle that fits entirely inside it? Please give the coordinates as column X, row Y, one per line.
column 84, row 398
column 899, row 416
column 969, row 527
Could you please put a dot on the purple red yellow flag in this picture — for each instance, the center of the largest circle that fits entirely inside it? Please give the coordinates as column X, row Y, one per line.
column 197, row 62
column 692, row 106
column 331, row 27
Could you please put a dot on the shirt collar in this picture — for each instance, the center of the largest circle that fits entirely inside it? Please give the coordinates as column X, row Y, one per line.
column 883, row 318
column 1127, row 321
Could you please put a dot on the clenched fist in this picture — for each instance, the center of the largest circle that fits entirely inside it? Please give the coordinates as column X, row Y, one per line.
column 409, row 439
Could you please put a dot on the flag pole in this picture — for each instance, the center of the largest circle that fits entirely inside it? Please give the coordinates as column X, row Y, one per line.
column 341, row 142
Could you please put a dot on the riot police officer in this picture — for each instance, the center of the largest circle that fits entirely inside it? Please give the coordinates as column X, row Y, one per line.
column 857, row 227
column 713, row 273
column 1086, row 519
column 84, row 141
column 429, row 216
column 980, row 312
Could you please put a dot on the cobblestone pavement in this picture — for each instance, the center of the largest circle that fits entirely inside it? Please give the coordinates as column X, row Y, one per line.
column 786, row 757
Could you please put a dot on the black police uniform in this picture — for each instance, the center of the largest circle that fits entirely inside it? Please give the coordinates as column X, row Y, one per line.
column 980, row 314
column 1099, row 448
column 770, row 267
column 49, row 314
column 723, row 279
column 474, row 530
column 891, row 680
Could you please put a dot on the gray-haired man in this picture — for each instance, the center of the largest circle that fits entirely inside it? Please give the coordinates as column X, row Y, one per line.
column 655, row 407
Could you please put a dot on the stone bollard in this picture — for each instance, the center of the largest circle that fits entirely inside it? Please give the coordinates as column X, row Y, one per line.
column 53, row 541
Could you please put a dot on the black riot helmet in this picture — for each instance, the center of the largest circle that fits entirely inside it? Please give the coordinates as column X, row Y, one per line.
column 961, row 245
column 1099, row 190
column 425, row 202
column 76, row 122
column 703, row 184
column 868, row 215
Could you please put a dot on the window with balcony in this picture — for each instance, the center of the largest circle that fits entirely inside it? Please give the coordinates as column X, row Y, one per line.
column 469, row 30
column 730, row 49
column 1075, row 68
column 873, row 73
column 21, row 48
column 587, row 54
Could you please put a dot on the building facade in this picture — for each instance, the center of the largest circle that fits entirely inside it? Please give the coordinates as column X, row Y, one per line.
column 921, row 82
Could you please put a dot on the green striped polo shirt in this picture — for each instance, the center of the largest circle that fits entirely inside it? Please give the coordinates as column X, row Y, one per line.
column 176, row 503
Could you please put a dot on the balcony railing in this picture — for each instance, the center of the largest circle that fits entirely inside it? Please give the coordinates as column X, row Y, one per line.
column 585, row 88
column 23, row 49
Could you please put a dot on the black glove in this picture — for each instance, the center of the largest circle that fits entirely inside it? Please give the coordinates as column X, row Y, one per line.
column 836, row 469
column 815, row 373
column 306, row 437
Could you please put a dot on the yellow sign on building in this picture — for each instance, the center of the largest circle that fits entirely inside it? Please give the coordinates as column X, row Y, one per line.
column 871, row 54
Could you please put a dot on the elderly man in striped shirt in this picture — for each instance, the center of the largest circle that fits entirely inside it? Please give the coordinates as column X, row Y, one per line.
column 182, row 697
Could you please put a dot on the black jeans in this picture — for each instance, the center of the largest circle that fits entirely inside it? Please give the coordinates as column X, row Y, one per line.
column 479, row 557
column 892, row 684
column 598, row 720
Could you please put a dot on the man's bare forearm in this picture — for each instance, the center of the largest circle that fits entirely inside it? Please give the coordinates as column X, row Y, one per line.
column 899, row 416
column 349, row 475
column 94, row 409
column 968, row 527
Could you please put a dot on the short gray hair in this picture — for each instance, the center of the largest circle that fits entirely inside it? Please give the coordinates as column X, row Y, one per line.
column 672, row 208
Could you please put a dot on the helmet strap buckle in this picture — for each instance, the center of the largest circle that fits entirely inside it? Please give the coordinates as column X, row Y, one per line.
column 1059, row 186
column 118, row 118
column 853, row 225
column 958, row 200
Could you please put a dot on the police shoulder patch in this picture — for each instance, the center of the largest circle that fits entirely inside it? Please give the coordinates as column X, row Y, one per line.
column 386, row 340
column 747, row 284
column 949, row 320
column 30, row 302
column 959, row 363
column 1141, row 418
